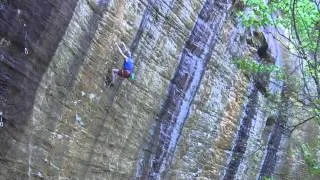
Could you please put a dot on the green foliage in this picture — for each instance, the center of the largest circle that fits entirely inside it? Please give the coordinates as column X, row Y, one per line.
column 316, row 111
column 279, row 13
column 268, row 178
column 311, row 160
column 297, row 24
column 258, row 14
column 249, row 66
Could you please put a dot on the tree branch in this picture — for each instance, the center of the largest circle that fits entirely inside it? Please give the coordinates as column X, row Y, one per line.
column 299, row 124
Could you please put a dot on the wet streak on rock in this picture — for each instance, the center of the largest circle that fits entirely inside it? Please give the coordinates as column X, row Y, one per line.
column 197, row 52
column 242, row 136
column 153, row 8
column 274, row 140
column 142, row 25
column 26, row 24
column 279, row 121
column 270, row 160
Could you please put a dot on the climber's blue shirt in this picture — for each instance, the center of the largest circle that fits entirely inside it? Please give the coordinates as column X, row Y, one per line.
column 128, row 64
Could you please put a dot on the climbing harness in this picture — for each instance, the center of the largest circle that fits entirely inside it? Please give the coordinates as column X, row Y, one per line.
column 1, row 123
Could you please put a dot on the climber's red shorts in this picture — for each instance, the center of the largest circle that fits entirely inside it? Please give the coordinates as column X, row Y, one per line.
column 124, row 73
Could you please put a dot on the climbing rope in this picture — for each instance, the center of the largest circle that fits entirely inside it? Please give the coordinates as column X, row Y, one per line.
column 26, row 52
column 1, row 122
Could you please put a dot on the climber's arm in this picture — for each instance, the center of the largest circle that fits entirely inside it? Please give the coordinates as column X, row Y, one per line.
column 121, row 51
column 124, row 47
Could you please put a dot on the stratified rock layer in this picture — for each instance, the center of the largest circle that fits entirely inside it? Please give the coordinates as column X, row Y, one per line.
column 189, row 114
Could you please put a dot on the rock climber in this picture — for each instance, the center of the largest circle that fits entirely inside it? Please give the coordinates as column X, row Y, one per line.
column 128, row 64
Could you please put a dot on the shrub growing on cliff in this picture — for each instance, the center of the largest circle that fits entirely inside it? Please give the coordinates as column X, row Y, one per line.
column 251, row 67
column 311, row 160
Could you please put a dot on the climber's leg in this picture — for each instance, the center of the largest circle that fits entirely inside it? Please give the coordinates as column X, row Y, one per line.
column 114, row 75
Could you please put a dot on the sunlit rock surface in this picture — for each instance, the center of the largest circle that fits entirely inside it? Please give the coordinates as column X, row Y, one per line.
column 190, row 113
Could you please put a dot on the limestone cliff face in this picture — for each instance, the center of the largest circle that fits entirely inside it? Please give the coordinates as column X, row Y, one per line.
column 190, row 113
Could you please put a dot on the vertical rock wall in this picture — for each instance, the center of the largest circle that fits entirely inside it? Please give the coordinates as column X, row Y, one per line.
column 189, row 114
column 30, row 34
column 194, row 58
